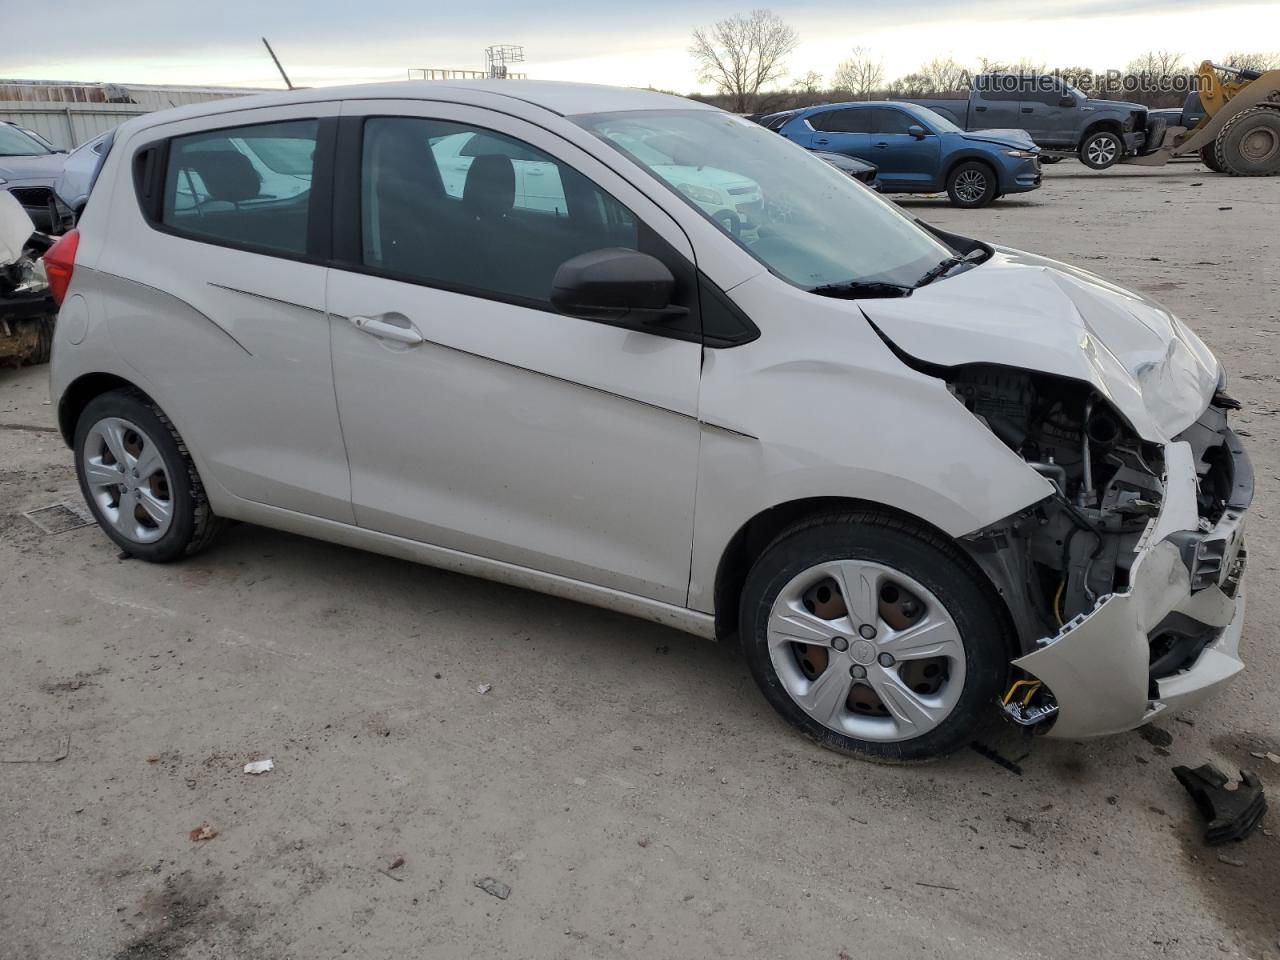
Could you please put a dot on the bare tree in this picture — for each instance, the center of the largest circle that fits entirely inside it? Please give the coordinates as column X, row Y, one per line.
column 1158, row 63
column 912, row 85
column 859, row 74
column 1252, row 61
column 811, row 82
column 1023, row 67
column 944, row 75
column 742, row 53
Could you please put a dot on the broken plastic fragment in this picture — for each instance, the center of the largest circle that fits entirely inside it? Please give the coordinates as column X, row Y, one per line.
column 484, row 688
column 1230, row 814
column 260, row 766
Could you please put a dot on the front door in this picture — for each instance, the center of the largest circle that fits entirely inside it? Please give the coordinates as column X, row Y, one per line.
column 904, row 159
column 477, row 418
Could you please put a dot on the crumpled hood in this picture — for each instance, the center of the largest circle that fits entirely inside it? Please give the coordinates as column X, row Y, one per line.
column 44, row 168
column 1021, row 310
column 1008, row 138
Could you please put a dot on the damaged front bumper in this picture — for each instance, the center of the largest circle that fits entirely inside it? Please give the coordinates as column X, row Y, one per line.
column 1172, row 637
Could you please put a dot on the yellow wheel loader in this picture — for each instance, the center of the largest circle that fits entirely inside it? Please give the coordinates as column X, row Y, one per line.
column 1240, row 132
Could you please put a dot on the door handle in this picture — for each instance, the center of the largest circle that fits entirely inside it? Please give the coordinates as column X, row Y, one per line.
column 822, row 140
column 980, row 109
column 1026, row 109
column 384, row 330
column 881, row 145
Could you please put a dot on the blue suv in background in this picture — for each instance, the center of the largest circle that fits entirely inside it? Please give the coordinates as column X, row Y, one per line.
column 919, row 151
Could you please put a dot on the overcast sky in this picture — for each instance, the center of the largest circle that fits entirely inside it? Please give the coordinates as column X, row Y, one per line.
column 629, row 43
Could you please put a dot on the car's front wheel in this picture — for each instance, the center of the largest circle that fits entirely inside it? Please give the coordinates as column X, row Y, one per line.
column 972, row 184
column 1101, row 150
column 138, row 479
column 875, row 637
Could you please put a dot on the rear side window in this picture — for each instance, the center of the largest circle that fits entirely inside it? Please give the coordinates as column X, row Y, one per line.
column 853, row 120
column 461, row 207
column 244, row 186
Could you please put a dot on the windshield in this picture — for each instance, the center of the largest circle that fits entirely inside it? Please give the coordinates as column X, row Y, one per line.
column 806, row 221
column 936, row 121
column 15, row 142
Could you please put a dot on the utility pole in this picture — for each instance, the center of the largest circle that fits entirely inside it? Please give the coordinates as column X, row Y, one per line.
column 277, row 61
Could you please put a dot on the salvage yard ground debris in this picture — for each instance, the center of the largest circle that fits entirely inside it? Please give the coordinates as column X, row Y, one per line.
column 333, row 667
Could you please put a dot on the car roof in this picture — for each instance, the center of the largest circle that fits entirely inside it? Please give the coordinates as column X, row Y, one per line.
column 862, row 103
column 565, row 99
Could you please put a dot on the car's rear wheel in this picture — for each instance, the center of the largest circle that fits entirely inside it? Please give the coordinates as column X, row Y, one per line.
column 1101, row 150
column 875, row 637
column 972, row 184
column 138, row 479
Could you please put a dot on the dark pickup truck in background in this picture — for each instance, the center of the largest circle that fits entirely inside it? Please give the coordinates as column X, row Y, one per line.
column 1059, row 117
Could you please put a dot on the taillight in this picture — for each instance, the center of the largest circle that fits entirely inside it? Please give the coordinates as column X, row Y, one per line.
column 60, row 262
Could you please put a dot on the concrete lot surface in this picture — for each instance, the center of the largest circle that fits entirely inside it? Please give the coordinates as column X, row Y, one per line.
column 625, row 781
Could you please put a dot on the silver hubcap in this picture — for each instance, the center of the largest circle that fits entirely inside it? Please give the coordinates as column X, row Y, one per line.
column 1102, row 150
column 866, row 650
column 127, row 480
column 970, row 186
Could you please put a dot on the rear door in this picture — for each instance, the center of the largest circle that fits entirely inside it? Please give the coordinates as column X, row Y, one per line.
column 1045, row 118
column 844, row 130
column 997, row 108
column 476, row 418
column 213, row 286
column 904, row 160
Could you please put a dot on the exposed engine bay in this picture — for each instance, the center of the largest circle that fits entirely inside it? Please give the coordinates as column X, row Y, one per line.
column 1066, row 553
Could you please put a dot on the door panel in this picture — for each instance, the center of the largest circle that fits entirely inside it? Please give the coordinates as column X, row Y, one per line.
column 846, row 131
column 903, row 160
column 997, row 110
column 234, row 341
column 510, row 431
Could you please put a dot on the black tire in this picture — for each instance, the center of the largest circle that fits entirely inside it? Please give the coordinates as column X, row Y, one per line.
column 962, row 181
column 935, row 563
column 1051, row 159
column 1209, row 157
column 1249, row 145
column 194, row 524
column 1101, row 149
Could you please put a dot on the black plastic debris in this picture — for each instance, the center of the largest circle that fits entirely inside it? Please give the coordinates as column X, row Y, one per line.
column 1230, row 814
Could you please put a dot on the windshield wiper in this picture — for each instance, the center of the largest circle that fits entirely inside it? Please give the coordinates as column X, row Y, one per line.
column 947, row 265
column 857, row 289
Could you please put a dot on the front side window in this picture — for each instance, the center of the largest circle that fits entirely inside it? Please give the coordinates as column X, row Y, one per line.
column 896, row 122
column 247, row 186
column 456, row 206
column 807, row 222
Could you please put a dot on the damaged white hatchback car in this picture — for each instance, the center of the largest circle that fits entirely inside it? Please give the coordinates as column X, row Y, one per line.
column 928, row 482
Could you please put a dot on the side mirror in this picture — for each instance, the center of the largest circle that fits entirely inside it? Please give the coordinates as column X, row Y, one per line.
column 613, row 284
column 917, row 131
column 1067, row 102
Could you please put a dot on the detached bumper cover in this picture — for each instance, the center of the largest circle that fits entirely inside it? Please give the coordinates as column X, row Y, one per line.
column 1099, row 666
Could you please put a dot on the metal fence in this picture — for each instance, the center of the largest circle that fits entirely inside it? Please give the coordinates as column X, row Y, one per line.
column 68, row 114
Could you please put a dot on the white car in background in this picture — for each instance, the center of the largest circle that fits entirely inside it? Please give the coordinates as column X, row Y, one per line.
column 925, row 481
column 76, row 179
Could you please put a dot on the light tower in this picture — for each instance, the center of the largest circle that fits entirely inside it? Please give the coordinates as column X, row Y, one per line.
column 498, row 56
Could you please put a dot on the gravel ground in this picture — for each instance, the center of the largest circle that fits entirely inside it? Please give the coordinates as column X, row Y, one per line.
column 627, row 782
